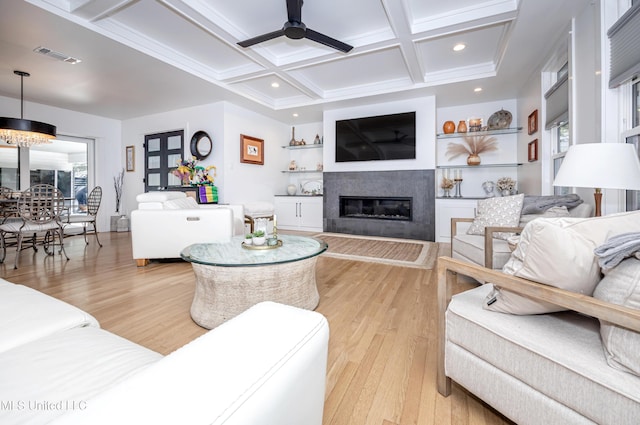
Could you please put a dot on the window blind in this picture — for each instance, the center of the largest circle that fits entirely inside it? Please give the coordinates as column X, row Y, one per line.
column 624, row 39
column 557, row 99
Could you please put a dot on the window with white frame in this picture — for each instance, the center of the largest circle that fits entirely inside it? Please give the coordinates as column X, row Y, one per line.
column 636, row 104
column 557, row 120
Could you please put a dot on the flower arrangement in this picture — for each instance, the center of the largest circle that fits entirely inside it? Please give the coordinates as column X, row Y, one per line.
column 189, row 172
column 473, row 145
column 506, row 183
column 446, row 184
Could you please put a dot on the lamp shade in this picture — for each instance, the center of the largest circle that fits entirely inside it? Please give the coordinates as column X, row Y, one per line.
column 600, row 165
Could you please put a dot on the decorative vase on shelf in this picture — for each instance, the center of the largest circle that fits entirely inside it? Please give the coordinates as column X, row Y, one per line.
column 291, row 189
column 292, row 142
column 473, row 160
column 449, row 127
column 316, row 141
column 462, row 126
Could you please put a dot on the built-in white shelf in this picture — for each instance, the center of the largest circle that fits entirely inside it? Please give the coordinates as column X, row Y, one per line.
column 479, row 166
column 311, row 146
column 510, row 130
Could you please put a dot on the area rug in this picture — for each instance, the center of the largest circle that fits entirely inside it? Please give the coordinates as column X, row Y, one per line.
column 397, row 252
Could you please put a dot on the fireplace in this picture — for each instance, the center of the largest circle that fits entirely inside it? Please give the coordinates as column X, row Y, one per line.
column 396, row 203
column 382, row 208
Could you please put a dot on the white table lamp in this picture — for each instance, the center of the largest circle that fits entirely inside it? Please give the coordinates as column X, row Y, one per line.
column 601, row 166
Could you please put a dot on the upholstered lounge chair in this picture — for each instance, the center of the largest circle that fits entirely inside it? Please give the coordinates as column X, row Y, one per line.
column 487, row 250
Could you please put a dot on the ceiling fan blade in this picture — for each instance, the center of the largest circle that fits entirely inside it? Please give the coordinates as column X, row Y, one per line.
column 294, row 10
column 327, row 41
column 261, row 38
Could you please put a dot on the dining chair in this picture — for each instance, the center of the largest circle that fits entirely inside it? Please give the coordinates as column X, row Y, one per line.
column 39, row 210
column 93, row 205
column 8, row 204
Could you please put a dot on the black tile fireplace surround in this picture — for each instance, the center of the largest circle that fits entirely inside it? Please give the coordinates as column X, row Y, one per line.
column 390, row 186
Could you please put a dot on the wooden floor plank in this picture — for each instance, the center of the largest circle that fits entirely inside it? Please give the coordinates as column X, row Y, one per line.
column 382, row 352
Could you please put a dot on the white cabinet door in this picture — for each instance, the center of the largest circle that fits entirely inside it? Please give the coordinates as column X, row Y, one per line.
column 299, row 212
column 446, row 209
column 311, row 214
column 286, row 209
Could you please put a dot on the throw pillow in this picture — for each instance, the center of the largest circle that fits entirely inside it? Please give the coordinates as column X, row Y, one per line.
column 181, row 204
column 551, row 212
column 559, row 252
column 621, row 286
column 502, row 211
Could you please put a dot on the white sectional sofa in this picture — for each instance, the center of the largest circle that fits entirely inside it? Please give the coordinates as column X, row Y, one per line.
column 555, row 343
column 166, row 222
column 266, row 366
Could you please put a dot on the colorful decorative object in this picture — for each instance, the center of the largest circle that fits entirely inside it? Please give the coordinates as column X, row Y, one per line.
column 207, row 194
column 190, row 173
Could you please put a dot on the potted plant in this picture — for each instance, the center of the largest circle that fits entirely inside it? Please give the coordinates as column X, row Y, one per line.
column 258, row 237
column 506, row 185
column 248, row 239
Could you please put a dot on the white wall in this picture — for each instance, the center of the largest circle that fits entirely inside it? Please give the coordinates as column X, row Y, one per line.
column 108, row 143
column 530, row 174
column 250, row 182
column 425, row 109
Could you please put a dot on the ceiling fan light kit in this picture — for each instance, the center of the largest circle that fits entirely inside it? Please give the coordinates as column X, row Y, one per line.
column 295, row 29
column 25, row 133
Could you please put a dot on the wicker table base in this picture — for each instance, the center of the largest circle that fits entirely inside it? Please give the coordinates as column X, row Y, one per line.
column 224, row 292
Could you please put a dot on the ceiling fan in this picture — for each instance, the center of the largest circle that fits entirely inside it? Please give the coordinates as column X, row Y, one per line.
column 295, row 29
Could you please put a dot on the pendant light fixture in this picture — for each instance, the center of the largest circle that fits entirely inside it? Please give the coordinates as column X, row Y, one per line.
column 25, row 133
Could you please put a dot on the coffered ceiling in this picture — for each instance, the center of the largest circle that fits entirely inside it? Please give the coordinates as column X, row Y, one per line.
column 145, row 56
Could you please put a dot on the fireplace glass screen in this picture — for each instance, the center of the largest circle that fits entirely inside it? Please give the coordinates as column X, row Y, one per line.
column 384, row 208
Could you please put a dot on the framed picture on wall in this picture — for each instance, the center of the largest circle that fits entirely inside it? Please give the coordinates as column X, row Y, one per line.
column 251, row 150
column 130, row 158
column 533, row 122
column 533, row 150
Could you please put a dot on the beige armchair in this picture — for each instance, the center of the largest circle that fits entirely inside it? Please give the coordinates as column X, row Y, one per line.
column 487, row 250
column 483, row 250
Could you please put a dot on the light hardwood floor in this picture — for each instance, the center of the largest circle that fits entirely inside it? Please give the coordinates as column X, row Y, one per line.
column 382, row 349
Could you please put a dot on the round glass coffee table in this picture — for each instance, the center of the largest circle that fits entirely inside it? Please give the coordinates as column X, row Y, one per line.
column 231, row 278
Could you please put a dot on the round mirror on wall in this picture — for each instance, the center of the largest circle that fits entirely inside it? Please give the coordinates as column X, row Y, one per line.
column 201, row 145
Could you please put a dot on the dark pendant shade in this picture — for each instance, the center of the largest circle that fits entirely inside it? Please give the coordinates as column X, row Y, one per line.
column 25, row 133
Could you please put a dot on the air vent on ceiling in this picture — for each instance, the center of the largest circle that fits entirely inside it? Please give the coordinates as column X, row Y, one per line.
column 56, row 55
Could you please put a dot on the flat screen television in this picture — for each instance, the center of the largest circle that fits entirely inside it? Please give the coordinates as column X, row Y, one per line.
column 383, row 137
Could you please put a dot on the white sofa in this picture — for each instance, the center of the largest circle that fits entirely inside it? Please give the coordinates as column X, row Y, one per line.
column 166, row 222
column 265, row 366
column 547, row 357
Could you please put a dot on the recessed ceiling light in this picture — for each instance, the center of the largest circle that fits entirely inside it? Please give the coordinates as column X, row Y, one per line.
column 459, row 46
column 295, row 115
column 477, row 89
column 275, row 85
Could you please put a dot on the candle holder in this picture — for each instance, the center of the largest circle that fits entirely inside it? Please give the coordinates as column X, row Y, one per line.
column 446, row 193
column 457, row 183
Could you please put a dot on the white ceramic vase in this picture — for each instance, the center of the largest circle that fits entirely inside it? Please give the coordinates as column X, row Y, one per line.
column 291, row 189
column 258, row 240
